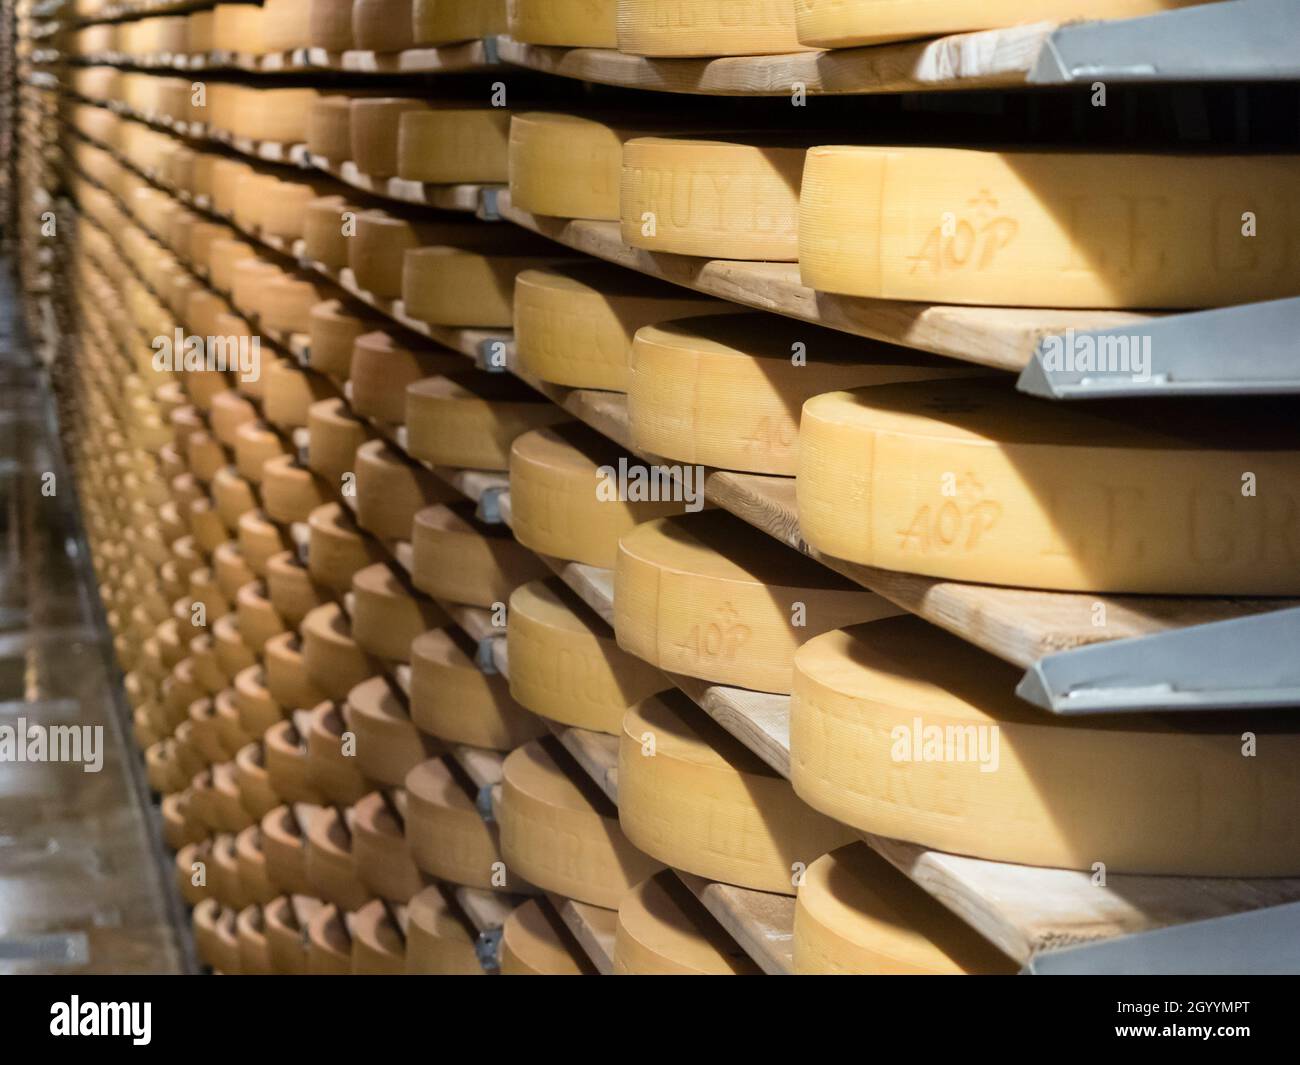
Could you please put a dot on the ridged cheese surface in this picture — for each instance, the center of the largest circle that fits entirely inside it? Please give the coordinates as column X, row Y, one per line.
column 445, row 832
column 568, row 23
column 450, row 145
column 663, row 930
column 706, row 27
column 458, row 287
column 566, row 166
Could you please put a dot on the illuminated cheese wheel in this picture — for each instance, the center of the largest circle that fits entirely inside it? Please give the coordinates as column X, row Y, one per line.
column 857, row 915
column 989, row 485
column 329, row 948
column 725, row 199
column 451, row 145
column 259, row 539
column 706, row 28
column 535, row 942
column 377, row 248
column 694, row 797
column 566, row 166
column 255, row 444
column 470, row 419
column 388, row 743
column 663, row 930
column 386, row 615
column 881, row 222
column 329, row 128
column 335, row 434
column 254, row 951
column 252, row 866
column 437, row 941
column 330, row 25
column 381, row 367
column 561, row 833
column 284, row 209
column 286, row 25
column 331, row 869
column 289, row 393
column 286, row 937
column 287, row 765
column 574, row 325
column 449, row 21
column 290, row 588
column 286, row 674
column 283, row 845
column 237, row 28
column 231, row 650
column 454, row 700
column 378, row 946
column 382, row 25
column 333, row 659
column 569, row 23
column 322, row 231
column 445, row 832
column 277, row 115
column 711, row 597
column 374, row 121
column 904, row 731
column 459, row 287
column 565, row 663
column 726, row 390
column 290, row 492
column 337, row 548
column 333, row 329
column 459, row 558
column 227, row 411
column 379, row 849
column 391, row 490
column 332, row 771
column 258, row 621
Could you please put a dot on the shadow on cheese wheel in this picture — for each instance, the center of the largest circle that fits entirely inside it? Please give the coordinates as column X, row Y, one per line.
column 856, row 914
column 382, row 238
column 292, row 591
column 535, row 942
column 329, row 129
column 382, row 25
column 335, row 433
column 438, row 940
column 391, row 490
column 574, row 324
column 229, row 569
column 333, row 659
column 329, row 947
column 330, row 25
column 989, row 485
column 470, row 419
column 324, row 224
column 726, row 390
column 283, row 844
column 563, row 496
column 337, row 548
column 378, row 944
column 209, row 670
column 711, row 597
column 449, row 21
column 286, row 920
column 259, row 540
column 455, row 286
column 258, row 621
column 706, row 28
column 387, row 614
column 456, row 557
column 445, row 831
column 456, row 701
column 223, row 873
column 256, row 792
column 381, row 367
column 388, row 745
column 694, row 797
column 251, row 866
column 255, row 445
column 334, row 329
column 895, row 724
column 203, row 920
column 226, row 943
column 568, row 23
column 663, row 930
column 254, row 951
column 286, row 25
column 332, row 771
column 202, row 714
column 331, row 869
column 449, row 145
column 560, row 832
column 232, row 496
column 565, row 663
column 288, row 766
column 290, row 492
column 229, row 720
column 286, row 674
column 374, row 123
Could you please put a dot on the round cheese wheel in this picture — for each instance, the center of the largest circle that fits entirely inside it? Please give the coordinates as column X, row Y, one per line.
column 334, row 434
column 252, row 866
column 231, row 570
column 663, row 930
column 333, row 330
column 993, row 486
column 382, row 25
column 381, row 367
column 391, row 490
column 381, row 239
column 323, row 231
column 378, row 948
column 256, row 792
column 290, row 392
column 437, row 941
column 904, row 731
column 285, row 849
column 561, row 833
column 231, row 650
column 330, row 25
column 333, row 772
column 290, row 492
column 258, row 710
column 204, row 921
column 569, row 23
column 286, row 936
column 259, row 539
column 379, row 849
column 227, row 411
column 286, row 25
column 331, row 869
column 386, row 615
column 329, row 128
column 287, row 764
column 285, row 305
column 445, row 832
column 237, row 28
column 449, row 21
column 373, row 121
column 566, row 166
column 329, row 947
column 333, row 659
column 711, row 597
column 451, row 145
column 565, row 663
column 286, row 674
column 388, row 744
column 574, row 325
column 258, row 621
column 470, row 419
column 255, row 443
column 458, row 558
column 706, row 28
column 454, row 700
column 452, row 286
column 337, row 548
column 291, row 590
column 535, row 942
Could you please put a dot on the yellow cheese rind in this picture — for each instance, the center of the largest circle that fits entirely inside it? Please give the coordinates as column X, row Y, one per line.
column 382, row 367
column 382, row 25
column 378, row 947
column 386, row 616
column 379, row 849
column 569, row 23
column 388, row 745
column 457, row 287
column 856, row 914
column 566, row 166
column 692, row 796
column 446, row 834
column 663, row 930
column 560, row 833
column 711, row 597
column 970, row 480
column 437, row 943
column 449, row 21
column 1047, row 229
column 391, row 490
column 451, row 145
column 460, row 559
column 706, row 28
column 892, row 724
column 535, row 942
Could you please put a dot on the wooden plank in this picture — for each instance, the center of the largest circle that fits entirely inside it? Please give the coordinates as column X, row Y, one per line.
column 465, row 198
column 760, row 720
column 485, row 909
column 592, row 926
column 762, row 923
column 596, row 752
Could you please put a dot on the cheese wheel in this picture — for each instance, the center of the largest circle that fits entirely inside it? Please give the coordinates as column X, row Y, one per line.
column 557, row 505
column 252, row 866
column 378, row 948
column 849, row 23
column 286, row 938
column 470, row 419
column 445, row 832
column 711, row 597
column 565, row 663
column 989, row 485
column 337, row 548
column 535, row 942
column 382, row 25
column 283, row 845
column 381, row 239
column 290, row 492
column 255, row 443
column 449, row 21
column 726, row 390
column 391, row 490
column 237, row 28
column 694, row 797
column 569, row 23
column 561, row 833
column 856, row 914
column 330, row 25
column 386, row 616
column 232, row 572
column 323, row 231
column 458, row 558
column 231, row 650
column 897, row 728
column 259, row 539
column 663, row 930
column 388, row 744
column 287, row 764
column 457, row 287
column 290, row 392
column 880, row 222
column 574, row 325
column 724, row 199
column 258, row 710
column 437, row 942
column 706, row 28
column 278, row 115
column 333, row 328
column 374, row 121
column 333, row 659
column 291, row 590
column 329, row 128
column 329, row 948
column 332, row 771
column 284, row 209
column 331, row 869
column 286, row 674
column 454, row 700
column 286, row 25
column 381, row 367
column 334, row 435
column 254, row 951
column 453, row 145
column 258, row 620
column 379, row 849
column 566, row 166
column 227, row 411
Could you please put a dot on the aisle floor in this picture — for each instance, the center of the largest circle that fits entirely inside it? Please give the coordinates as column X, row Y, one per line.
column 82, row 888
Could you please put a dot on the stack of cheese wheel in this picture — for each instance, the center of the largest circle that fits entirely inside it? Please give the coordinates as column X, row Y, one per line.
column 973, row 481
column 447, row 145
column 879, row 222
column 574, row 324
column 535, row 942
column 694, row 797
column 567, row 23
column 711, row 597
column 460, row 559
column 895, row 724
column 565, row 663
column 726, row 390
column 437, row 22
column 560, row 832
column 706, row 28
column 856, row 914
column 663, row 930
